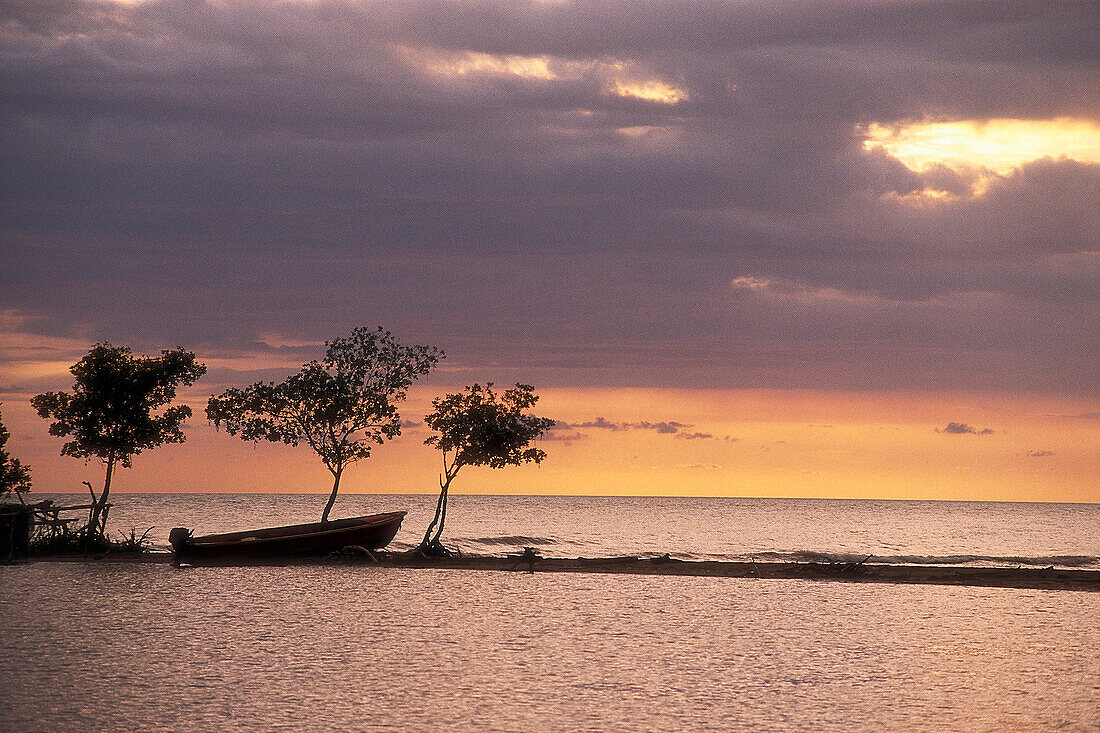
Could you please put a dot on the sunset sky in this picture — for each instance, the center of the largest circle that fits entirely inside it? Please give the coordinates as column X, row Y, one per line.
column 839, row 249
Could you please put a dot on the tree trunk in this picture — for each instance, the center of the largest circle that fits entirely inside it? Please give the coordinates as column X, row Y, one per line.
column 332, row 496
column 431, row 545
column 438, row 509
column 97, row 523
column 442, row 514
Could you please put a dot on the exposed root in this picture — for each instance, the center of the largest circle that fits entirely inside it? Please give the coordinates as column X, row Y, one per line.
column 431, row 549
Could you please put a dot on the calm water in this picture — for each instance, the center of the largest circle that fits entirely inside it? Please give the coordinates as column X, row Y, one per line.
column 983, row 533
column 149, row 647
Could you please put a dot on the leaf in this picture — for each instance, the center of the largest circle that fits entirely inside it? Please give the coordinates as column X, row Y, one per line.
column 340, row 406
column 113, row 410
column 484, row 428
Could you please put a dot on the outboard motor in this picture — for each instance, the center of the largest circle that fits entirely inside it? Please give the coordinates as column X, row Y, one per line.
column 179, row 538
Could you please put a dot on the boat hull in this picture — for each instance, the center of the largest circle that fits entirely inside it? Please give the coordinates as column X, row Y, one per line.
column 300, row 540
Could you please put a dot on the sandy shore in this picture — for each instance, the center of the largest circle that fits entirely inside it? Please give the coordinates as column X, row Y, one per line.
column 868, row 572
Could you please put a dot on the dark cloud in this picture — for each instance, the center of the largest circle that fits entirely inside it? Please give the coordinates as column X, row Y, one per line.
column 563, row 436
column 1041, row 454
column 666, row 428
column 179, row 171
column 600, row 423
column 670, row 427
column 961, row 428
column 695, row 436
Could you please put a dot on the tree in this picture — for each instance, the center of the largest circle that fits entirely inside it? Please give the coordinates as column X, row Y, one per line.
column 112, row 412
column 338, row 406
column 15, row 478
column 479, row 427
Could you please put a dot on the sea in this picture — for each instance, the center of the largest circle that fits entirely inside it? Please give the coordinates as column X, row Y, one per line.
column 130, row 646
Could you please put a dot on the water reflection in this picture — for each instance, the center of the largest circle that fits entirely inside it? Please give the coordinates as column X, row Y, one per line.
column 149, row 647
column 975, row 533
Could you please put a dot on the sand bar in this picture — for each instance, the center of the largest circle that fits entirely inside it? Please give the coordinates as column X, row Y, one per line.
column 867, row 572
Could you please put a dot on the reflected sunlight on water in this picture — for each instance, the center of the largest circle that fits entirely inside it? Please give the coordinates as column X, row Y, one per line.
column 976, row 533
column 151, row 647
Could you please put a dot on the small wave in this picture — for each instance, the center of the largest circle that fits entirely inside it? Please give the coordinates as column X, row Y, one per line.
column 510, row 539
column 828, row 557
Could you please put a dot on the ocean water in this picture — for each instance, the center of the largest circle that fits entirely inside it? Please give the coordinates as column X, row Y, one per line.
column 150, row 647
column 922, row 532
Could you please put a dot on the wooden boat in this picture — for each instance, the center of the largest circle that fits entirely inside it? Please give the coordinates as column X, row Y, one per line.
column 316, row 538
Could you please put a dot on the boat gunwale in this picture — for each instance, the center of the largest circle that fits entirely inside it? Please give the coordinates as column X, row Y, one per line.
column 254, row 537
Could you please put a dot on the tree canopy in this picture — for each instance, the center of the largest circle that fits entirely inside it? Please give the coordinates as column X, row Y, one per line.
column 340, row 406
column 15, row 478
column 115, row 409
column 480, row 427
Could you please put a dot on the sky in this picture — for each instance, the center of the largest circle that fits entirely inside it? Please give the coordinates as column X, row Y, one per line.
column 774, row 248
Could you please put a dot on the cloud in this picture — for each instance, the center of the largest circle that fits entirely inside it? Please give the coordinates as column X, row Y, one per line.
column 695, row 436
column 563, row 432
column 650, row 91
column 682, row 177
column 599, row 423
column 960, row 428
column 1078, row 416
column 701, row 466
column 1041, row 454
column 562, row 436
column 665, row 428
column 662, row 427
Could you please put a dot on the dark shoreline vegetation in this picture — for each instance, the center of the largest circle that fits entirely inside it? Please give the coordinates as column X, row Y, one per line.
column 858, row 572
column 340, row 406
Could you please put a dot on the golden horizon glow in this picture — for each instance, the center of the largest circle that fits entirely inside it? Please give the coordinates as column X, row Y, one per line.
column 998, row 145
column 726, row 442
column 739, row 443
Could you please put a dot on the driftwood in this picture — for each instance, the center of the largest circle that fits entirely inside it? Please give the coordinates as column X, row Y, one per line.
column 54, row 521
column 529, row 555
column 53, row 509
column 53, row 533
column 620, row 560
column 361, row 551
column 854, row 567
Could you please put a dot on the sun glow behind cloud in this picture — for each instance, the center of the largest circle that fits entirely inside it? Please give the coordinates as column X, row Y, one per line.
column 998, row 145
column 474, row 63
column 650, row 91
column 617, row 78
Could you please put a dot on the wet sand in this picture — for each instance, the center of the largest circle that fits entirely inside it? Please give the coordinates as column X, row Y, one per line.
column 867, row 572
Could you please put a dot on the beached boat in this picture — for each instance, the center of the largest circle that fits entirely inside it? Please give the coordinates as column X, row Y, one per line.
column 316, row 538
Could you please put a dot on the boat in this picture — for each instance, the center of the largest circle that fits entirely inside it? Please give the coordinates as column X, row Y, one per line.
column 370, row 532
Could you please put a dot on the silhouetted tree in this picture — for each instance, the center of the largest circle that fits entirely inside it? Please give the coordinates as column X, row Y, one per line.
column 479, row 427
column 338, row 406
column 112, row 412
column 15, row 478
